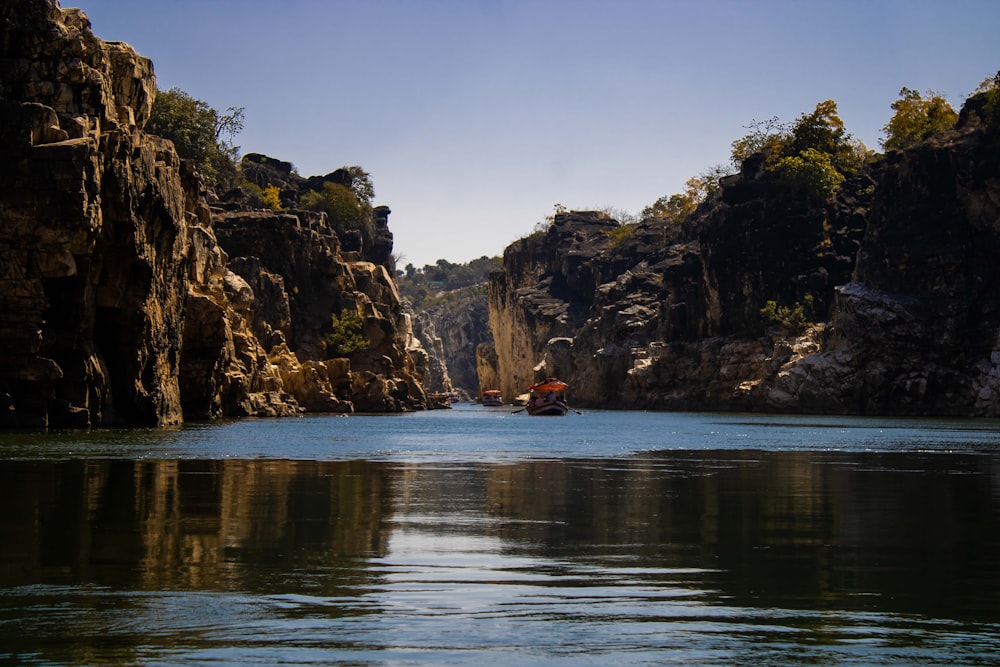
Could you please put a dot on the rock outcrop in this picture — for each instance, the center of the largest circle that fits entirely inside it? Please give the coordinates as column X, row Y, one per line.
column 898, row 272
column 427, row 350
column 125, row 299
column 94, row 240
column 917, row 329
column 462, row 325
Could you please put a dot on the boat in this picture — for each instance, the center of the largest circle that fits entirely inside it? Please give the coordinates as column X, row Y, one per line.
column 547, row 398
column 491, row 398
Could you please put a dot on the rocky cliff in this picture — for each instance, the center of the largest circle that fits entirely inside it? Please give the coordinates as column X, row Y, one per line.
column 897, row 273
column 125, row 298
column 462, row 324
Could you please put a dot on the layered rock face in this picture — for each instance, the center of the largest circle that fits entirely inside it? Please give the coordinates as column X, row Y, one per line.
column 428, row 353
column 93, row 243
column 462, row 325
column 898, row 272
column 301, row 278
column 125, row 299
column 544, row 291
column 917, row 330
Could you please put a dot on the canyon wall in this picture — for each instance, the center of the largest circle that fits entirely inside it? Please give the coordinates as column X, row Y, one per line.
column 462, row 324
column 897, row 275
column 94, row 237
column 125, row 298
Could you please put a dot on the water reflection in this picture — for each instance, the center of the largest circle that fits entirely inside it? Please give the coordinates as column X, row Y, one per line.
column 711, row 555
column 216, row 525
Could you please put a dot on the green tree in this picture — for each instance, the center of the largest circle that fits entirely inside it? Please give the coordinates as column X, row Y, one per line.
column 423, row 286
column 345, row 337
column 810, row 173
column 338, row 202
column 618, row 236
column 769, row 134
column 674, row 207
column 822, row 130
column 361, row 185
column 917, row 118
column 199, row 134
column 677, row 207
column 990, row 87
column 796, row 318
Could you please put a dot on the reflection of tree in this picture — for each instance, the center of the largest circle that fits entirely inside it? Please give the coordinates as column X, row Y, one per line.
column 192, row 524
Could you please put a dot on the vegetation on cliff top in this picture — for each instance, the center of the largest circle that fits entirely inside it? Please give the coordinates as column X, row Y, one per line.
column 345, row 204
column 200, row 133
column 810, row 158
column 814, row 155
column 430, row 285
column 917, row 118
column 205, row 136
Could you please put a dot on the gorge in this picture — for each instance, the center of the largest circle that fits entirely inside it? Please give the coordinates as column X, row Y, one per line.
column 134, row 295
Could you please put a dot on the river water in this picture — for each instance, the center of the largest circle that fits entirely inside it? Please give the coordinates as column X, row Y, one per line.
column 477, row 536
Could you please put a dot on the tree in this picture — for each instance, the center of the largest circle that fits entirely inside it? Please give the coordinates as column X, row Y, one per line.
column 917, row 118
column 271, row 197
column 810, row 173
column 338, row 202
column 990, row 88
column 822, row 130
column 674, row 207
column 345, row 336
column 428, row 285
column 361, row 185
column 677, row 207
column 796, row 318
column 768, row 134
column 710, row 186
column 199, row 133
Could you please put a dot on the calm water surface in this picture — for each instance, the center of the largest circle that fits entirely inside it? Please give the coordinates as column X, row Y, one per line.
column 475, row 536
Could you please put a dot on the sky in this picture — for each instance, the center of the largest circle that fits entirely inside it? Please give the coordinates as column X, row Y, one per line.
column 475, row 118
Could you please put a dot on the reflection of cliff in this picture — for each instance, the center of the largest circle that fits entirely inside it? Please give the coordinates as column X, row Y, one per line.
column 191, row 524
column 765, row 528
column 771, row 523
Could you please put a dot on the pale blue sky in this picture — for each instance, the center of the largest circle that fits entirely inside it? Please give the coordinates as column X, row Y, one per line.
column 474, row 118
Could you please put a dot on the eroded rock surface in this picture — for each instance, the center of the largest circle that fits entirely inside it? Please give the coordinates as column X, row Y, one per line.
column 899, row 274
column 125, row 299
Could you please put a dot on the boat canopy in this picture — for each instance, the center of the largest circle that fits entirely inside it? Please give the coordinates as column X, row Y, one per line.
column 550, row 384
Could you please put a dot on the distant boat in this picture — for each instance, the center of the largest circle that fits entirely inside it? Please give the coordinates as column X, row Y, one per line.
column 491, row 398
column 547, row 398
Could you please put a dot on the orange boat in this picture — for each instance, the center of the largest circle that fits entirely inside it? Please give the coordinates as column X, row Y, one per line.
column 547, row 398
